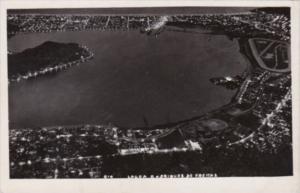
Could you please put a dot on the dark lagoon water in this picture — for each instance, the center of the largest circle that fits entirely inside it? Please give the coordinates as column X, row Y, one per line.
column 132, row 78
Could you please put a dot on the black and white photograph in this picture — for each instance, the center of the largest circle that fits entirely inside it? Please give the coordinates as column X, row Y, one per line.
column 149, row 92
column 149, row 97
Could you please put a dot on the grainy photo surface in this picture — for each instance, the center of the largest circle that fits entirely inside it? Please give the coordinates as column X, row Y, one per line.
column 149, row 92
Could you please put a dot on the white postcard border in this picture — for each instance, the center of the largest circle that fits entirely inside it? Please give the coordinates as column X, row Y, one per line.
column 149, row 185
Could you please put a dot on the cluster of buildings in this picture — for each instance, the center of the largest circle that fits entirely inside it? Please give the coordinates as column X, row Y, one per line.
column 261, row 119
column 250, row 24
column 260, row 112
column 252, row 88
column 78, row 151
column 24, row 23
column 274, row 112
column 271, row 23
column 263, row 103
column 54, row 153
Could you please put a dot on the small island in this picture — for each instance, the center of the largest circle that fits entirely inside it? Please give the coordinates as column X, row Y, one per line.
column 46, row 58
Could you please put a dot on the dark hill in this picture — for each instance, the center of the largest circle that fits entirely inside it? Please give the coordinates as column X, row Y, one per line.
column 48, row 54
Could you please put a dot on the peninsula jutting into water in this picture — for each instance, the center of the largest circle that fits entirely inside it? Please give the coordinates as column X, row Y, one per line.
column 199, row 95
column 45, row 58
